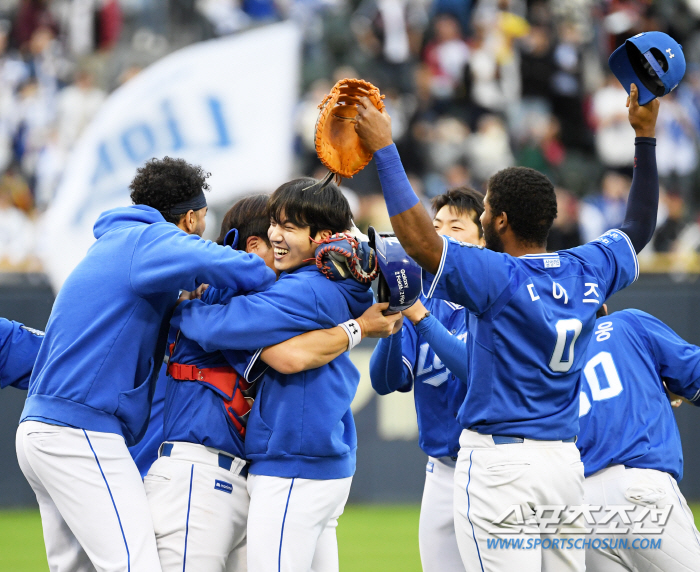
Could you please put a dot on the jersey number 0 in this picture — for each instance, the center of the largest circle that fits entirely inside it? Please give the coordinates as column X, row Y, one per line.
column 563, row 356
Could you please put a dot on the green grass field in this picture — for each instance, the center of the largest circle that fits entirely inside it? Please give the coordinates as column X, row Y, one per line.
column 370, row 538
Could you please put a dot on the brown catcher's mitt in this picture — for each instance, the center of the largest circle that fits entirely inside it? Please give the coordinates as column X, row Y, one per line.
column 337, row 144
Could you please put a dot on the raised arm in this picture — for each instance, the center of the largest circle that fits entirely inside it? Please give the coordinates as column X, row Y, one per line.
column 643, row 201
column 409, row 219
column 317, row 348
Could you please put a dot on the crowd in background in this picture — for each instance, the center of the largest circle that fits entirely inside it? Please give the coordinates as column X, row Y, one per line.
column 472, row 87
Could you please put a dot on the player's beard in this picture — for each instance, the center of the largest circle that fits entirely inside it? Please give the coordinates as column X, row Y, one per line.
column 492, row 239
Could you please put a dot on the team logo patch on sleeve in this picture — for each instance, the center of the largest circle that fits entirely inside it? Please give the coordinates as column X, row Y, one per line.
column 609, row 237
column 429, row 467
column 223, row 486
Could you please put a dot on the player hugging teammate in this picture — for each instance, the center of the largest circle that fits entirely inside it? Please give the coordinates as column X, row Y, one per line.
column 257, row 450
column 93, row 381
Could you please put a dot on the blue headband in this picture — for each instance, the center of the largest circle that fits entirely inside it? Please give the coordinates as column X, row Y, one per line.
column 194, row 204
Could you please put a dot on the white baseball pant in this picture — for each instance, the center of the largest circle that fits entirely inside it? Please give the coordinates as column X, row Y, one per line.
column 436, row 528
column 292, row 523
column 492, row 479
column 199, row 504
column 94, row 510
column 642, row 489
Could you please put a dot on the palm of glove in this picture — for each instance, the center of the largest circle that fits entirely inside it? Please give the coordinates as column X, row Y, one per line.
column 337, row 144
column 341, row 256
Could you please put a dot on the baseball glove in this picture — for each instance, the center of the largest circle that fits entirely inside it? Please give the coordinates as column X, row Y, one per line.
column 337, row 144
column 341, row 256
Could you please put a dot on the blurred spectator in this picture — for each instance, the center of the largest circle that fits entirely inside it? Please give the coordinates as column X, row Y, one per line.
column 614, row 136
column 32, row 15
column 446, row 57
column 670, row 230
column 77, row 104
column 566, row 231
column 607, row 210
column 472, row 86
column 676, row 146
column 489, row 148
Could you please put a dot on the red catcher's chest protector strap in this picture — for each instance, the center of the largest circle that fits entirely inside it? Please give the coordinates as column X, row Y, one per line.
column 226, row 381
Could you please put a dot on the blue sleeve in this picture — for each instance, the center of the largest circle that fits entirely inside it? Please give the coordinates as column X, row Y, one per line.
column 246, row 362
column 254, row 321
column 389, row 370
column 643, row 201
column 612, row 258
column 678, row 360
column 19, row 347
column 450, row 349
column 166, row 259
column 398, row 193
column 468, row 275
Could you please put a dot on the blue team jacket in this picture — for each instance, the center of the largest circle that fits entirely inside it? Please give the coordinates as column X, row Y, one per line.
column 105, row 339
column 19, row 347
column 301, row 424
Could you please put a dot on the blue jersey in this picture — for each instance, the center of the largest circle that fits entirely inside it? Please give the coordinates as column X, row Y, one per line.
column 626, row 418
column 19, row 347
column 437, row 391
column 196, row 412
column 530, row 320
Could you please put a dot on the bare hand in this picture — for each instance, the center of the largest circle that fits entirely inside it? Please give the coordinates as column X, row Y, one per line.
column 676, row 400
column 374, row 324
column 372, row 126
column 416, row 312
column 642, row 117
column 194, row 295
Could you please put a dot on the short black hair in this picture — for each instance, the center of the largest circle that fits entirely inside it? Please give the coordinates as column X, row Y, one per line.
column 305, row 202
column 163, row 183
column 527, row 197
column 249, row 216
column 464, row 201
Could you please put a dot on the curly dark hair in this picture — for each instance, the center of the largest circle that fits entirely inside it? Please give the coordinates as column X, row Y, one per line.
column 249, row 216
column 163, row 183
column 527, row 197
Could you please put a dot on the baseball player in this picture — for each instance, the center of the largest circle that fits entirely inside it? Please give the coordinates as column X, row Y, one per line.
column 300, row 435
column 19, row 346
column 630, row 445
column 91, row 388
column 197, row 488
column 531, row 315
column 410, row 359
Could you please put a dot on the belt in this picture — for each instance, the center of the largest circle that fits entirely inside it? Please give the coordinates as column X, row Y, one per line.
column 507, row 440
column 202, row 454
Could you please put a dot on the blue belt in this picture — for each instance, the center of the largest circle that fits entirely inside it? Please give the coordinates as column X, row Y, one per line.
column 225, row 461
column 507, row 440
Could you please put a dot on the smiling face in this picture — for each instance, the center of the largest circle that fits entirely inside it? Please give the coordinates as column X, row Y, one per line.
column 291, row 244
column 460, row 226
